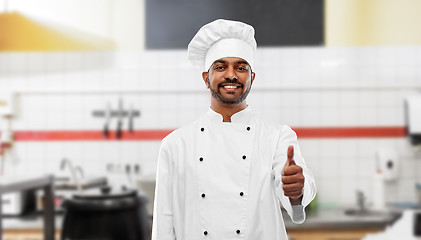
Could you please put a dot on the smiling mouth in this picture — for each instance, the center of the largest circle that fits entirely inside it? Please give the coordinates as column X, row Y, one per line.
column 230, row 92
column 230, row 87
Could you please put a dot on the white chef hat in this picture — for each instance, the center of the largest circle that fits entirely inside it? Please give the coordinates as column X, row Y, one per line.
column 222, row 38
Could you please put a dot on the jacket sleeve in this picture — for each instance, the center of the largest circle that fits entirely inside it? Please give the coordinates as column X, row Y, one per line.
column 288, row 137
column 163, row 222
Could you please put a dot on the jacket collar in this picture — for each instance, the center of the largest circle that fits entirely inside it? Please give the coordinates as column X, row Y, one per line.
column 244, row 116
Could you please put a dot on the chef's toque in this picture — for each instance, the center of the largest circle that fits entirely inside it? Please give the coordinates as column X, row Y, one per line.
column 222, row 38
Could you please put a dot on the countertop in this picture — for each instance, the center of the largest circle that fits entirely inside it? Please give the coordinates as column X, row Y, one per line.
column 337, row 219
column 31, row 221
column 323, row 219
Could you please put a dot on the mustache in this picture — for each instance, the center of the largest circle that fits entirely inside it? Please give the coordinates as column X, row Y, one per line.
column 230, row 81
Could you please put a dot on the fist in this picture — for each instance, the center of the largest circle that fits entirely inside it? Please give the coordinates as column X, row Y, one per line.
column 292, row 178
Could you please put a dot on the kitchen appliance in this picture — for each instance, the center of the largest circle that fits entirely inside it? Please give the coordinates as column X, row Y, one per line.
column 388, row 164
column 18, row 203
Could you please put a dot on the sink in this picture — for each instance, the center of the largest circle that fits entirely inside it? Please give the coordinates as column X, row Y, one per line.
column 65, row 183
column 370, row 213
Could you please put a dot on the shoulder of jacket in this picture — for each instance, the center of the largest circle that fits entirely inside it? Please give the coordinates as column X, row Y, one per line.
column 274, row 126
column 286, row 129
column 277, row 130
column 182, row 132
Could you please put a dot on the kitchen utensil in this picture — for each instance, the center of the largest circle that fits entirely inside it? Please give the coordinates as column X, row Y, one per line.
column 106, row 216
column 131, row 116
column 120, row 116
column 108, row 116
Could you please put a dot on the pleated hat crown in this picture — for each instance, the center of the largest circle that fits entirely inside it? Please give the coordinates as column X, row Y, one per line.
column 222, row 38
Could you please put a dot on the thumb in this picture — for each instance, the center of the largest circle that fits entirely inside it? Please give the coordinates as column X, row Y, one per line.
column 290, row 156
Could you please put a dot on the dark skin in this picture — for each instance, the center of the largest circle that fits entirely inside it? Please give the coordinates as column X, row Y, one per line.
column 229, row 69
column 293, row 179
column 231, row 78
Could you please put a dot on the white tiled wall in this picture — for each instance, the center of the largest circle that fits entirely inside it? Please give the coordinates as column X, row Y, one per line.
column 302, row 87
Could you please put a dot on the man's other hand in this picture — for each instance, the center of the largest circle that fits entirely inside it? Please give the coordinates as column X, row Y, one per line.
column 292, row 179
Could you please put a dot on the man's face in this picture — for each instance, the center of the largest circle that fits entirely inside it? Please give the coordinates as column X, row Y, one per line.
column 229, row 80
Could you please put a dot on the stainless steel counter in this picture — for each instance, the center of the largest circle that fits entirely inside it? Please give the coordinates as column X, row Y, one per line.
column 323, row 220
column 29, row 222
column 337, row 219
column 11, row 184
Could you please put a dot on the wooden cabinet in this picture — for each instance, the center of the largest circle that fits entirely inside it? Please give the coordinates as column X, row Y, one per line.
column 337, row 234
column 26, row 234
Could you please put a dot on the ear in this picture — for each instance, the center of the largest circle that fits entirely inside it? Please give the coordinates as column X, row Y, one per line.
column 205, row 76
column 253, row 75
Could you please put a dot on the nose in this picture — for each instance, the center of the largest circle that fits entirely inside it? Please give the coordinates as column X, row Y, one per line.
column 230, row 73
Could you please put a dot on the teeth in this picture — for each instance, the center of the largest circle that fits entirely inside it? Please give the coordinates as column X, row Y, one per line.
column 232, row 87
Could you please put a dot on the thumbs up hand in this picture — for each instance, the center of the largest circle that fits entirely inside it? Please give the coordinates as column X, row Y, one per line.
column 292, row 179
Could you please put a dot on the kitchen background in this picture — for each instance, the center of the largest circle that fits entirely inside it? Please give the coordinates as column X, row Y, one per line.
column 346, row 99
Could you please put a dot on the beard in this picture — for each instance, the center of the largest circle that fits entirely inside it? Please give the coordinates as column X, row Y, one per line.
column 216, row 93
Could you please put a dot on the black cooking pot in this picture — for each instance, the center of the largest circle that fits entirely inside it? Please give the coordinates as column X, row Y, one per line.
column 106, row 215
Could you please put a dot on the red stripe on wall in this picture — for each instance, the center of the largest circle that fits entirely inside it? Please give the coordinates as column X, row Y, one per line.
column 151, row 135
column 139, row 135
column 350, row 132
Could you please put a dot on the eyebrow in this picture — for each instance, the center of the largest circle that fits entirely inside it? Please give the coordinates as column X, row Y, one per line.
column 220, row 61
column 237, row 62
column 241, row 62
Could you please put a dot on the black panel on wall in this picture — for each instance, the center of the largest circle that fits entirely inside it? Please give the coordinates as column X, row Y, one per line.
column 173, row 23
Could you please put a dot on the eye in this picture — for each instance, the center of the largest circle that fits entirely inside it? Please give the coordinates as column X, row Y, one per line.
column 242, row 69
column 219, row 67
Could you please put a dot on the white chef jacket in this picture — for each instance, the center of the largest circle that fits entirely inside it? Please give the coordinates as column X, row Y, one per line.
column 222, row 180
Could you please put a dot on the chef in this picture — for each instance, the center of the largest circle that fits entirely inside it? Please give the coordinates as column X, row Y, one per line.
column 227, row 175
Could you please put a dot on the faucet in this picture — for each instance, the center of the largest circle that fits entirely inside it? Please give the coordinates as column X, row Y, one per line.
column 80, row 170
column 69, row 164
column 361, row 200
